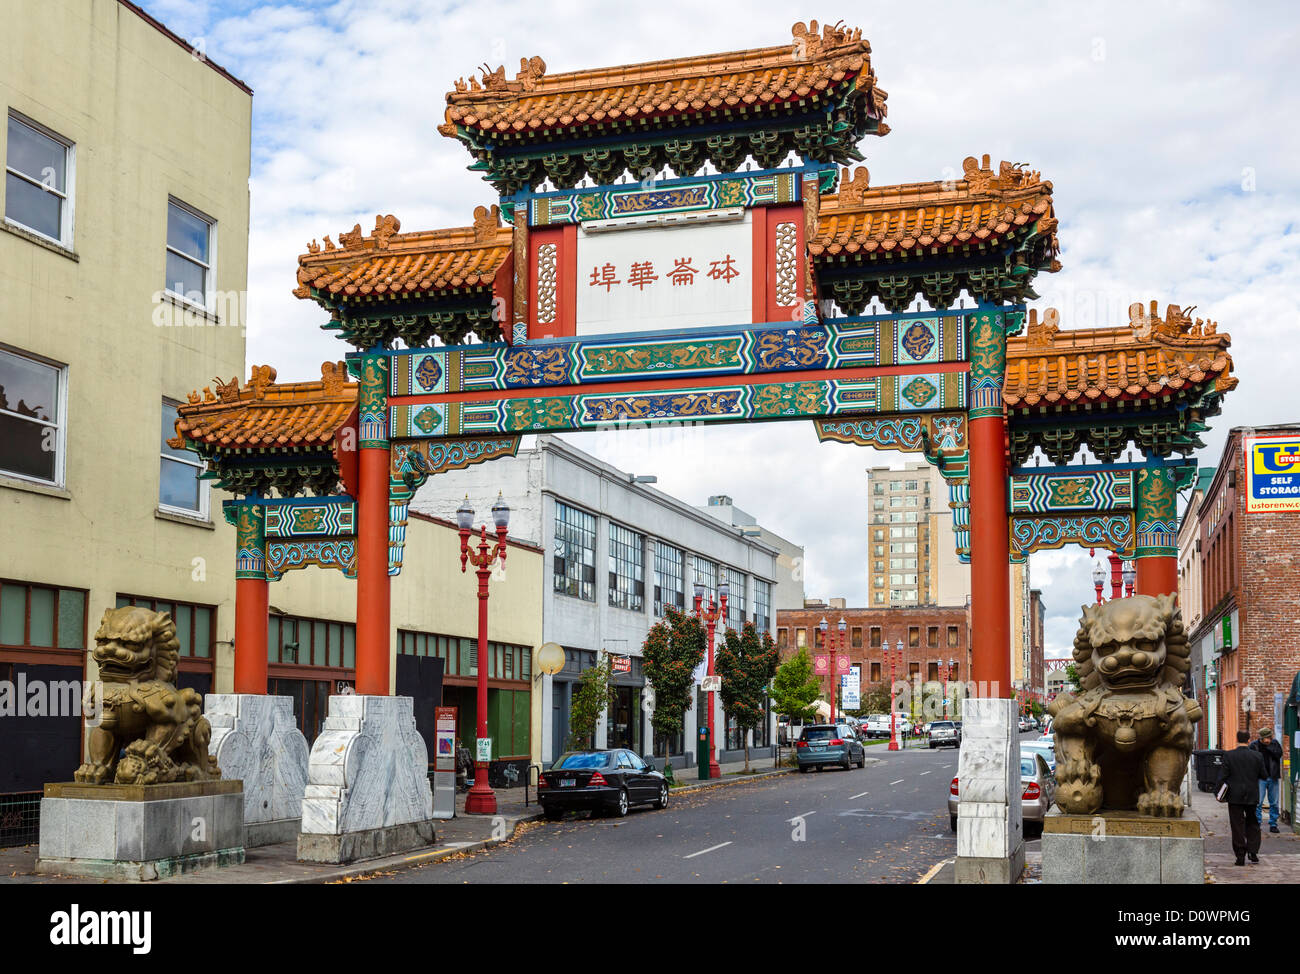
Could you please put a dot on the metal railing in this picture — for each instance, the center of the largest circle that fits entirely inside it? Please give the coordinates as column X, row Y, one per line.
column 20, row 818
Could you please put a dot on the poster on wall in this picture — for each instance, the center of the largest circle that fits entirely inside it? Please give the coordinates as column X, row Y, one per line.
column 1272, row 473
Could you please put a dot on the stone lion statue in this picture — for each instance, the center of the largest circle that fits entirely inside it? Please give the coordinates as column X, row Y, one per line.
column 160, row 728
column 1123, row 742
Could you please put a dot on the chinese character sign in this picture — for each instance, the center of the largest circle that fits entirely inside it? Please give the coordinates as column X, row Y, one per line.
column 1272, row 473
column 665, row 278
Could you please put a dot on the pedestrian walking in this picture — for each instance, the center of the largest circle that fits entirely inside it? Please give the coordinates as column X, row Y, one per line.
column 1242, row 772
column 1271, row 786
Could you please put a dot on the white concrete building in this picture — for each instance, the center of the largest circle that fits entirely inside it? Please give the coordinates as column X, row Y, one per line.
column 789, row 592
column 619, row 551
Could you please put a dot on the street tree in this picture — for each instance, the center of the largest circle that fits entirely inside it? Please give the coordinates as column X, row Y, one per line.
column 746, row 662
column 674, row 647
column 590, row 700
column 795, row 689
column 1072, row 679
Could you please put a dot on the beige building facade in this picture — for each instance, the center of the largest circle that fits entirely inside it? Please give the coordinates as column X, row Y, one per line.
column 123, row 276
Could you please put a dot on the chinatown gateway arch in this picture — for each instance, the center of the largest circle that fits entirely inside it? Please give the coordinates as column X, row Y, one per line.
column 665, row 278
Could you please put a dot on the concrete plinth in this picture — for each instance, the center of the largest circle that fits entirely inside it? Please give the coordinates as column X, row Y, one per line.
column 1122, row 847
column 990, row 829
column 256, row 739
column 140, row 832
column 367, row 783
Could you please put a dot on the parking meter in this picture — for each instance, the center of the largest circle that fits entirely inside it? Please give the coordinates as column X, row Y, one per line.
column 702, row 752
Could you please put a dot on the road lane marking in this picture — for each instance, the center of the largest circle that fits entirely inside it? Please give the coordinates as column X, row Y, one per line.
column 711, row 848
column 898, row 782
column 923, row 772
column 933, row 869
column 860, row 794
column 804, row 815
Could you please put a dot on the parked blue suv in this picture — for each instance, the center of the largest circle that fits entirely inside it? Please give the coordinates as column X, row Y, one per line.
column 823, row 744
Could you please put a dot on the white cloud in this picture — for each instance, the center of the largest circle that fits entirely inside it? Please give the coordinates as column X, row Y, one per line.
column 1148, row 119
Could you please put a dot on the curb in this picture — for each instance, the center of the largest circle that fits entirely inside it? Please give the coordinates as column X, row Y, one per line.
column 371, row 866
column 730, row 780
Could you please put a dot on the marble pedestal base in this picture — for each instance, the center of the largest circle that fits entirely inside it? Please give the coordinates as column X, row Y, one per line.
column 1122, row 847
column 990, row 828
column 256, row 739
column 367, row 783
column 140, row 832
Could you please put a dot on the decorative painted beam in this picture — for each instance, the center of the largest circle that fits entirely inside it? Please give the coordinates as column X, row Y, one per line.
column 283, row 556
column 775, row 348
column 1114, row 532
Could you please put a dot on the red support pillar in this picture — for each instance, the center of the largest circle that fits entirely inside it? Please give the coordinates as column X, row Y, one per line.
column 1157, row 528
column 251, row 593
column 373, row 646
column 372, row 574
column 990, row 546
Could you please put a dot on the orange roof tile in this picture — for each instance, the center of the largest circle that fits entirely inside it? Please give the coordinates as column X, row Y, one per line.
column 1151, row 356
column 814, row 63
column 266, row 415
column 388, row 262
column 980, row 208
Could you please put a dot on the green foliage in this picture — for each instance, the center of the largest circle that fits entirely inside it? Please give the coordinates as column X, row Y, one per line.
column 1072, row 679
column 589, row 702
column 673, row 648
column 875, row 700
column 746, row 662
column 795, row 688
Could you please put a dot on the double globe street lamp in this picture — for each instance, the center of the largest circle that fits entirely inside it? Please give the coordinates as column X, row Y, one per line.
column 710, row 616
column 894, row 658
column 828, row 640
column 482, row 800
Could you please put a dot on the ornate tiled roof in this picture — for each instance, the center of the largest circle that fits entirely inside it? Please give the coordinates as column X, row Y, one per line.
column 988, row 233
column 1150, row 357
column 710, row 85
column 406, row 264
column 919, row 219
column 263, row 415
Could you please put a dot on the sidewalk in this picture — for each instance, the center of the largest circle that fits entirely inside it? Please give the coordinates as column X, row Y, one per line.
column 1279, row 855
column 456, row 836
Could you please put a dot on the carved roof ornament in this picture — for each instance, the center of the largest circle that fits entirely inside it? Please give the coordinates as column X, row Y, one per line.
column 808, row 44
column 853, row 185
column 486, row 222
column 333, row 376
column 1010, row 175
column 351, row 239
column 227, row 391
column 1042, row 333
column 1176, row 323
column 260, row 378
column 385, row 227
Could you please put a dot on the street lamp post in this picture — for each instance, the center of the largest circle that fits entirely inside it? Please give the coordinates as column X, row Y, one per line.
column 895, row 656
column 1098, row 580
column 838, row 683
column 481, row 799
column 1130, row 576
column 710, row 616
column 947, row 686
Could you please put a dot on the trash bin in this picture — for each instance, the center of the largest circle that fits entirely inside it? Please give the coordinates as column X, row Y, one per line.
column 1207, row 764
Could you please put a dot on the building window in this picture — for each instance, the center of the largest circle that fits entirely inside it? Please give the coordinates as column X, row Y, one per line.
column 932, row 636
column 704, row 572
column 875, row 637
column 506, row 661
column 39, row 176
column 875, row 672
column 736, row 604
column 857, row 637
column 762, row 605
column 191, row 243
column 575, row 552
column 42, row 616
column 800, row 638
column 782, row 638
column 880, row 596
column 626, row 568
column 913, row 635
column 952, row 635
column 668, row 578
column 196, row 625
column 32, row 428
column 179, row 486
column 293, row 640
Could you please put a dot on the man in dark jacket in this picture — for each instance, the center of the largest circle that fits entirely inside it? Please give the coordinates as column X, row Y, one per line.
column 1242, row 771
column 1269, row 787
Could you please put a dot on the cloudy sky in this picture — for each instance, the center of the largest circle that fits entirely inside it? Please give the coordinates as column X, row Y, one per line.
column 1168, row 130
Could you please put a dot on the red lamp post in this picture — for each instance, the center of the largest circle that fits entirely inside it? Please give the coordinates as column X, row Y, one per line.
column 894, row 656
column 947, row 685
column 1130, row 576
column 710, row 616
column 482, row 800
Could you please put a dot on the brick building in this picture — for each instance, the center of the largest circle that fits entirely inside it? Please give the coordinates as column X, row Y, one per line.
column 932, row 635
column 1246, row 645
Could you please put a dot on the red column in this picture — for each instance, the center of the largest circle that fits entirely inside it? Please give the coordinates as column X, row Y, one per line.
column 482, row 800
column 372, row 573
column 251, row 601
column 989, row 558
column 1157, row 576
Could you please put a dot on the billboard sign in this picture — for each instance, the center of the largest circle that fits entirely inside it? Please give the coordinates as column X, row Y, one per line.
column 1272, row 473
column 851, row 688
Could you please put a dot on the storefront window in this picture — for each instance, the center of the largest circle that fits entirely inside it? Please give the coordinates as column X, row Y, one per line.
column 668, row 578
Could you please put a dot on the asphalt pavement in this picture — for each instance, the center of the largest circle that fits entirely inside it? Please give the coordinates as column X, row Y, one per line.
column 886, row 823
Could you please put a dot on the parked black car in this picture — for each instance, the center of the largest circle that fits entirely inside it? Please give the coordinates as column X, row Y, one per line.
column 600, row 781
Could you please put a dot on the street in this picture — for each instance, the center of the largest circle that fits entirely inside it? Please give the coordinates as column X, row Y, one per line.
column 886, row 823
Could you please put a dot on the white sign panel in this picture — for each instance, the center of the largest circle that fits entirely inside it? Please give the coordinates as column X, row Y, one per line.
column 851, row 688
column 711, row 683
column 484, row 748
column 660, row 278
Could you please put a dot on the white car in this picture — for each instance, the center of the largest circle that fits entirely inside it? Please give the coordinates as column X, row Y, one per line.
column 878, row 725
